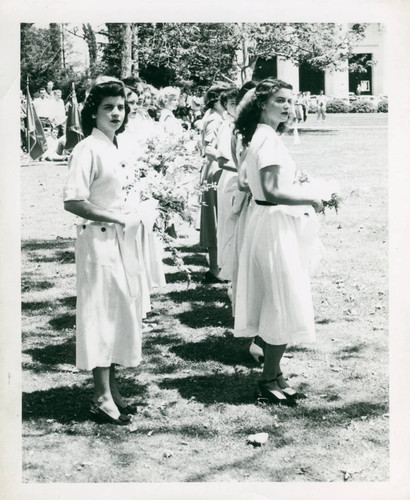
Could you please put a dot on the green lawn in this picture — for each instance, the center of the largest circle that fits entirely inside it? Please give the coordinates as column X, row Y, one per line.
column 193, row 390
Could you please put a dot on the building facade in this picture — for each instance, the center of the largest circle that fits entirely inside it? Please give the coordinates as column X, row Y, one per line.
column 336, row 83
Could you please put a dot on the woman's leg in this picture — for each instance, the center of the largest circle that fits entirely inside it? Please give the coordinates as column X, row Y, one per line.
column 273, row 354
column 213, row 260
column 116, row 395
column 102, row 392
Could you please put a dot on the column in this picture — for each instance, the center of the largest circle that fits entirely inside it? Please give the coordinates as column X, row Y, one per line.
column 337, row 82
column 288, row 72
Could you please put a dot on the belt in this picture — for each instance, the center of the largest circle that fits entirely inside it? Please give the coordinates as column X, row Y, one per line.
column 266, row 203
column 230, row 169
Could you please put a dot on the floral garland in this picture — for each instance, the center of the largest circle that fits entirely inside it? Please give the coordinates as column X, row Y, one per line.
column 168, row 171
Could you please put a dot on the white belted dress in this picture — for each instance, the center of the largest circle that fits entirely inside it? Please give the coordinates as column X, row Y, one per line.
column 108, row 315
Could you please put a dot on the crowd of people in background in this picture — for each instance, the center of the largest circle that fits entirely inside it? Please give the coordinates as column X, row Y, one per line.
column 171, row 107
column 247, row 177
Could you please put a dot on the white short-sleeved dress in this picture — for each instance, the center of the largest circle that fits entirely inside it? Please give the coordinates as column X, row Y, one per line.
column 281, row 243
column 108, row 316
column 227, row 189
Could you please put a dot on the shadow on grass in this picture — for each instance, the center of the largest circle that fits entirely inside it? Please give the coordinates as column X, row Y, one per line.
column 63, row 322
column 201, row 293
column 181, row 277
column 249, row 463
column 317, row 131
column 329, row 415
column 227, row 350
column 192, row 249
column 324, row 321
column 234, row 389
column 353, row 351
column 207, row 316
column 34, row 286
column 42, row 306
column 159, row 340
column 298, row 348
column 61, row 257
column 195, row 260
column 36, row 306
column 57, row 244
column 69, row 404
column 54, row 354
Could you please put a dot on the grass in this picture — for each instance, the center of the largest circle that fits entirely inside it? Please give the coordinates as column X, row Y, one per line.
column 194, row 388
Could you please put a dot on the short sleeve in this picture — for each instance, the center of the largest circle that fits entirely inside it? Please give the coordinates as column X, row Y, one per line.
column 224, row 142
column 211, row 131
column 81, row 172
column 271, row 151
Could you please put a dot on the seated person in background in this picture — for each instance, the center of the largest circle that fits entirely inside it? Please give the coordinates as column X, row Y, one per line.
column 55, row 146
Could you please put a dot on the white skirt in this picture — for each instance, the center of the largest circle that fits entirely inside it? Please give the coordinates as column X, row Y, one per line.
column 227, row 188
column 108, row 316
column 273, row 296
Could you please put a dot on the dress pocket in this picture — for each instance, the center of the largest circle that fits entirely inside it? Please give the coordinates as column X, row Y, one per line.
column 97, row 243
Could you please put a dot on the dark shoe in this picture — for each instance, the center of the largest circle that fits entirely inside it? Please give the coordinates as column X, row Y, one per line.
column 211, row 278
column 275, row 396
column 125, row 409
column 290, row 392
column 103, row 417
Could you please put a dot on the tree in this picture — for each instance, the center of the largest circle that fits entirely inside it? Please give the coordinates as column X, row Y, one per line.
column 40, row 55
column 196, row 54
column 89, row 37
column 321, row 45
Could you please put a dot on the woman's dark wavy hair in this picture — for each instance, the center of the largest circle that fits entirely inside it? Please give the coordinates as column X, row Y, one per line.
column 231, row 93
column 250, row 109
column 95, row 98
column 213, row 94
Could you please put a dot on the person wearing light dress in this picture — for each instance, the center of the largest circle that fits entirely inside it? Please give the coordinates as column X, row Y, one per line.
column 280, row 245
column 167, row 102
column 227, row 185
column 109, row 308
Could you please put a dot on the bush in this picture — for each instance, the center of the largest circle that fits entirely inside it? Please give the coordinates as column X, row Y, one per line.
column 362, row 107
column 312, row 107
column 383, row 106
column 337, row 106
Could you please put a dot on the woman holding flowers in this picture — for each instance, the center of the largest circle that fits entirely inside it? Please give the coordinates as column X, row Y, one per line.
column 108, row 316
column 273, row 297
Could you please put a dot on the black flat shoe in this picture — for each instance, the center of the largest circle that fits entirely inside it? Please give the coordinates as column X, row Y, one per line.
column 211, row 278
column 290, row 392
column 125, row 409
column 102, row 416
column 273, row 396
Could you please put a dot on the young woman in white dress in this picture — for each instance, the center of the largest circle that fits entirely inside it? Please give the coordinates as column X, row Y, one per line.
column 227, row 185
column 108, row 316
column 167, row 102
column 273, row 296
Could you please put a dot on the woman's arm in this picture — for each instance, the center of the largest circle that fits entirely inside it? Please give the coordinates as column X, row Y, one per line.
column 87, row 210
column 243, row 184
column 275, row 193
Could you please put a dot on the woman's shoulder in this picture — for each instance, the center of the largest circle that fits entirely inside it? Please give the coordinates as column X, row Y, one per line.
column 263, row 133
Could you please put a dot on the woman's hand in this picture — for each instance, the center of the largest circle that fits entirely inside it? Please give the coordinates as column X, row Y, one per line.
column 318, row 206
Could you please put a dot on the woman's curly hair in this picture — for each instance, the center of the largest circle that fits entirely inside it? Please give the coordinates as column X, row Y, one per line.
column 250, row 108
column 112, row 88
column 213, row 94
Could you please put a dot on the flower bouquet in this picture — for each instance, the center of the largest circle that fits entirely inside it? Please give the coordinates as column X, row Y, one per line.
column 327, row 191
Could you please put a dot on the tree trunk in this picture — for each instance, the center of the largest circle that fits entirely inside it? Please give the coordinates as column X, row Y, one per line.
column 89, row 37
column 126, row 52
column 135, row 62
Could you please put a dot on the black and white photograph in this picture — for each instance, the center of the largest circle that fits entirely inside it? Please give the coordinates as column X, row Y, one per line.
column 209, row 235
